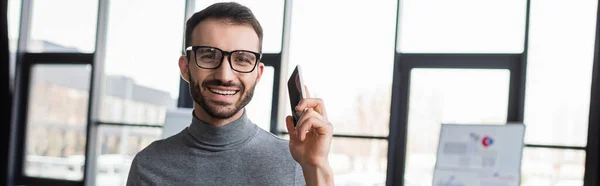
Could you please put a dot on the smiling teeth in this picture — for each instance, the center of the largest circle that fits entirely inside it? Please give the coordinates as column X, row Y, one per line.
column 223, row 92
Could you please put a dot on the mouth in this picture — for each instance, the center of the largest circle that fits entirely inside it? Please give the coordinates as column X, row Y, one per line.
column 223, row 91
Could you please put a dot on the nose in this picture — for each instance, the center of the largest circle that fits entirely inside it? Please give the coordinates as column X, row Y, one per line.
column 225, row 73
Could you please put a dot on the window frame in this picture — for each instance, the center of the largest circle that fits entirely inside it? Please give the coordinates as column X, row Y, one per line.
column 23, row 90
column 592, row 163
column 517, row 64
column 403, row 63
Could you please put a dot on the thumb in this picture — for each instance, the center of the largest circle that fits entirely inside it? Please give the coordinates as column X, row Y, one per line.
column 289, row 123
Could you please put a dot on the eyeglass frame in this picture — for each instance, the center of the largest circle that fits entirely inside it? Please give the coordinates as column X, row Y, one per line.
column 224, row 53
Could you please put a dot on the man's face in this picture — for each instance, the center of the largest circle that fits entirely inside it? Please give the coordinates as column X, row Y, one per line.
column 222, row 92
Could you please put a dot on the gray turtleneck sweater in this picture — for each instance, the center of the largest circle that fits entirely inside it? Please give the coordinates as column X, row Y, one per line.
column 239, row 153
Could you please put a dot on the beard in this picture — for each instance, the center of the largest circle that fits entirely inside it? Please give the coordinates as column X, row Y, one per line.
column 218, row 109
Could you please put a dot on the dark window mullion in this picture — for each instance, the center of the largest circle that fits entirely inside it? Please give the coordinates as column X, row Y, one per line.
column 274, row 60
column 127, row 124
column 592, row 163
column 555, row 147
column 45, row 181
column 462, row 61
column 59, row 58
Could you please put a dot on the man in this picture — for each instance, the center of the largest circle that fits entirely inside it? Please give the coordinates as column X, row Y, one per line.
column 222, row 146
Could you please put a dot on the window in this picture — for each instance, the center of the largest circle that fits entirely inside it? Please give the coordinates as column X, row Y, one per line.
column 358, row 95
column 58, row 27
column 350, row 67
column 557, row 89
column 14, row 14
column 56, row 121
column 559, row 72
column 142, row 53
column 118, row 146
column 552, row 167
column 461, row 26
column 454, row 62
column 453, row 96
column 557, row 99
column 141, row 81
column 358, row 161
column 259, row 109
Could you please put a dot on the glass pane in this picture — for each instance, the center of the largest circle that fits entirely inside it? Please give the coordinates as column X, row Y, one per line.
column 461, row 26
column 457, row 96
column 142, row 51
column 355, row 79
column 269, row 14
column 14, row 21
column 259, row 109
column 359, row 161
column 56, row 26
column 14, row 15
column 559, row 72
column 56, row 121
column 117, row 148
column 554, row 167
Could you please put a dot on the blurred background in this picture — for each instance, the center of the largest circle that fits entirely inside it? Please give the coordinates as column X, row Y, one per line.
column 93, row 82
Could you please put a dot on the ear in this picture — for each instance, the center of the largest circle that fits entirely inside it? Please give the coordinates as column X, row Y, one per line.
column 184, row 68
column 260, row 69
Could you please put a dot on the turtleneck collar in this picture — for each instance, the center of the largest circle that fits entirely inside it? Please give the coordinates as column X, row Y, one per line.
column 229, row 136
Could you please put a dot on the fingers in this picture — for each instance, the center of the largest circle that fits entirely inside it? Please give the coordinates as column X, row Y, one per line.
column 315, row 103
column 313, row 118
column 312, row 121
column 289, row 123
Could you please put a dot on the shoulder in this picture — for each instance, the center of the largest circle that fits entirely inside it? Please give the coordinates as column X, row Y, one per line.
column 266, row 144
column 264, row 136
column 278, row 149
column 161, row 147
column 151, row 164
column 267, row 141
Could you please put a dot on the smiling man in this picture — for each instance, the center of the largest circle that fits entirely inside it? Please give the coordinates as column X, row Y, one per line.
column 222, row 146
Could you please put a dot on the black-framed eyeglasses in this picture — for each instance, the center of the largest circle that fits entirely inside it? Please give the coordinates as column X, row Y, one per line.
column 208, row 57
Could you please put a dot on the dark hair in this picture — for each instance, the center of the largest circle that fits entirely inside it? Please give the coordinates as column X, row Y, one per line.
column 231, row 12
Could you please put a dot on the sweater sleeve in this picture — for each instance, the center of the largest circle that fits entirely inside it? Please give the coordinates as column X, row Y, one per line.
column 133, row 179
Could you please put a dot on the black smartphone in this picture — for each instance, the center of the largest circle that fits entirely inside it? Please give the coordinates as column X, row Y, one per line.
column 296, row 91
